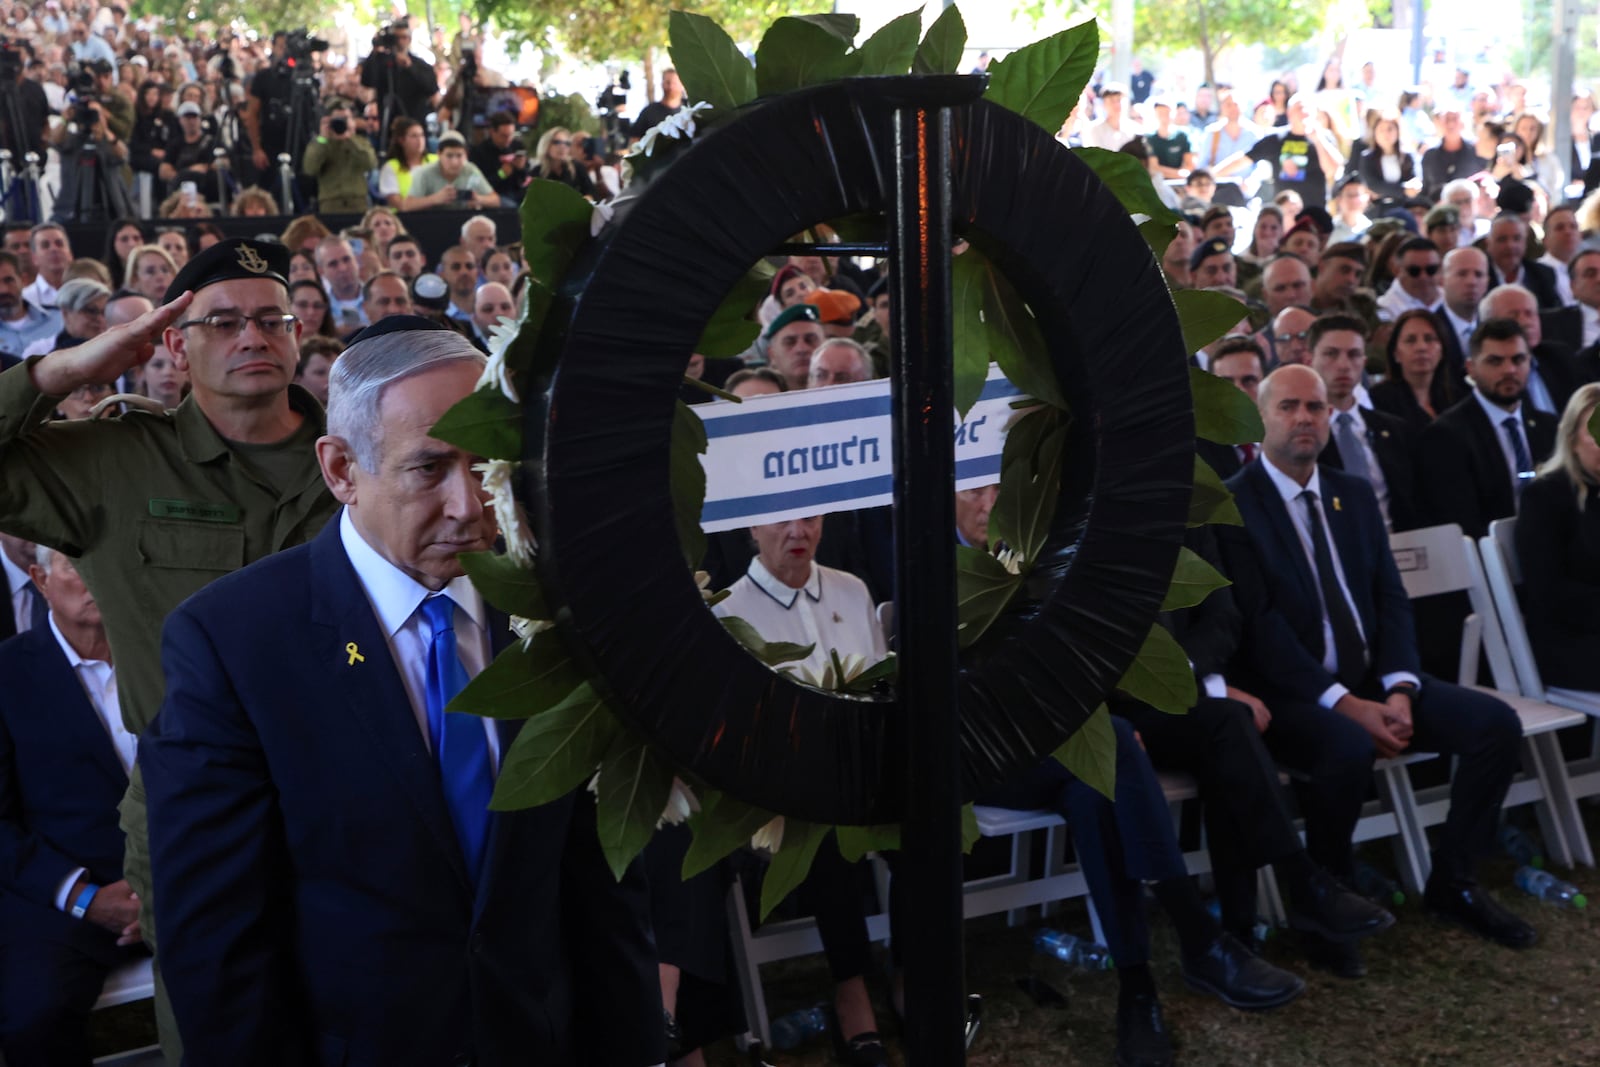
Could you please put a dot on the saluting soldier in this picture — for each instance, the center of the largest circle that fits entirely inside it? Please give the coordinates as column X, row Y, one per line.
column 154, row 506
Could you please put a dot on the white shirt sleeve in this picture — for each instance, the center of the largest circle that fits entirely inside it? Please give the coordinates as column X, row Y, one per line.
column 62, row 903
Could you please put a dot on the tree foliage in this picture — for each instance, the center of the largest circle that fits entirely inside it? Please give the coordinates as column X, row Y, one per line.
column 624, row 30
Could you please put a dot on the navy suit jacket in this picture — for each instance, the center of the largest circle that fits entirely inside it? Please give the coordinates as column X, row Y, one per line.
column 1277, row 589
column 60, row 784
column 311, row 899
column 1462, row 471
column 1392, row 443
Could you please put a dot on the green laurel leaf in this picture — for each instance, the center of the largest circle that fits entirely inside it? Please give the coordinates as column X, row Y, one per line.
column 940, row 50
column 1223, row 412
column 722, row 824
column 1042, row 81
column 634, row 783
column 1160, row 675
column 555, row 752
column 856, row 841
column 555, row 224
column 1205, row 316
column 1211, row 502
column 1091, row 753
column 525, row 678
column 1030, row 482
column 1193, row 579
column 893, row 47
column 484, row 423
column 983, row 589
column 797, row 52
column 772, row 653
column 709, row 64
column 793, row 861
column 505, row 583
column 1129, row 182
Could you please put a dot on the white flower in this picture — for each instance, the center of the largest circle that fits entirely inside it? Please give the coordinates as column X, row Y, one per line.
column 679, row 126
column 853, row 665
column 497, row 482
column 599, row 217
column 681, row 803
column 594, row 784
column 1010, row 560
column 770, row 836
column 496, row 375
column 526, row 629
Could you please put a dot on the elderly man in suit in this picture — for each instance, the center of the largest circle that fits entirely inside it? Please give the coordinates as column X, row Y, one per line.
column 1553, row 374
column 67, row 916
column 331, row 886
column 1370, row 444
column 1476, row 456
column 1329, row 646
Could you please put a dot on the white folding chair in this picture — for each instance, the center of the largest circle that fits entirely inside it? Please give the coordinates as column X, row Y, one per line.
column 1441, row 560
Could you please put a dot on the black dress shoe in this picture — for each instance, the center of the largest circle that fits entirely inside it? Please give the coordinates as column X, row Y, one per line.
column 862, row 1050
column 1238, row 978
column 1469, row 904
column 1338, row 958
column 1142, row 1038
column 1334, row 912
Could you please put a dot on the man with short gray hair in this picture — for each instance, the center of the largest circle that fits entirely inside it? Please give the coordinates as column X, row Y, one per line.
column 478, row 234
column 304, row 759
column 838, row 361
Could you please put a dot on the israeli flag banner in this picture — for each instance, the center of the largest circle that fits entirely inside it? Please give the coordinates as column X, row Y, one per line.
column 813, row 451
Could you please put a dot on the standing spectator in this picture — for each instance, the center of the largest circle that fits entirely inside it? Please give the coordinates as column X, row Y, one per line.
column 1224, row 146
column 385, row 226
column 385, row 294
column 1416, row 283
column 408, row 77
column 502, row 158
column 556, row 162
column 309, row 302
column 1385, row 168
column 1300, row 156
column 1561, row 240
column 1508, row 265
column 500, row 267
column 478, row 235
column 1451, row 158
column 1583, row 159
column 408, row 153
column 656, row 111
column 405, row 256
column 122, row 238
column 491, row 303
column 191, row 155
column 450, row 181
column 339, row 161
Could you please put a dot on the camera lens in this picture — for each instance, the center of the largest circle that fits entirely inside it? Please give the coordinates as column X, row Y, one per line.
column 339, row 126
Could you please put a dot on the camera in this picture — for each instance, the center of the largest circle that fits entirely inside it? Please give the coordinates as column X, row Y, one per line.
column 12, row 60
column 387, row 37
column 85, row 83
column 339, row 126
column 615, row 95
column 300, row 44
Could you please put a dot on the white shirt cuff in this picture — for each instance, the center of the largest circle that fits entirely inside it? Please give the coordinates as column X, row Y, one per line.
column 62, row 903
column 1401, row 678
column 1215, row 685
column 1332, row 695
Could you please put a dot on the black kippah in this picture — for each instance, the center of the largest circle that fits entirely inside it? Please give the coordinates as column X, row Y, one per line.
column 227, row 260
column 396, row 324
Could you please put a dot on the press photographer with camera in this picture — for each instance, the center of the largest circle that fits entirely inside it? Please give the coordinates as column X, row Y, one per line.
column 405, row 83
column 93, row 145
column 339, row 159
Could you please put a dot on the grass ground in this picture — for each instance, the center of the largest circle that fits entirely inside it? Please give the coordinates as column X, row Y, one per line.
column 1433, row 996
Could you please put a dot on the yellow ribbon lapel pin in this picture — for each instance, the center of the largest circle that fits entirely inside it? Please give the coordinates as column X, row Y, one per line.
column 355, row 654
column 1336, row 507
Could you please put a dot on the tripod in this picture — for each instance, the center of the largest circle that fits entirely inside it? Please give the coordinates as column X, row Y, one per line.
column 302, row 120
column 20, row 195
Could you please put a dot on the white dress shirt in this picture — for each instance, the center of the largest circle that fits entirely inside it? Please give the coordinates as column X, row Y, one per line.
column 21, row 597
column 99, row 684
column 1497, row 416
column 1563, row 279
column 1591, row 324
column 1290, row 491
column 1395, row 302
column 396, row 598
column 41, row 294
column 832, row 611
column 1462, row 327
column 347, row 315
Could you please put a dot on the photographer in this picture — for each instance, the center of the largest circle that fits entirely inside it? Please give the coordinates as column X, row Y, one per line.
column 451, row 181
column 502, row 158
column 94, row 82
column 190, row 154
column 266, row 112
column 408, row 81
column 339, row 160
column 94, row 174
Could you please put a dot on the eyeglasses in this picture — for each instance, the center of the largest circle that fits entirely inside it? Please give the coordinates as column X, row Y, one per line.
column 562, row 142
column 231, row 323
column 1285, row 338
column 1416, row 272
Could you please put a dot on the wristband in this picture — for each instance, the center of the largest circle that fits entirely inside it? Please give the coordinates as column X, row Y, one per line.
column 81, row 905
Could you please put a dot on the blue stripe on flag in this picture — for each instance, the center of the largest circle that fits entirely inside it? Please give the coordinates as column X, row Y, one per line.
column 817, row 496
column 758, row 421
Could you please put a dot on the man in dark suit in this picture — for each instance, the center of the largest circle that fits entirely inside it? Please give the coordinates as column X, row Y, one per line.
column 1370, row 444
column 1466, row 280
column 1475, row 457
column 1509, row 263
column 1553, row 374
column 330, row 884
column 67, row 916
column 1329, row 646
column 1237, row 360
column 1578, row 324
column 24, row 608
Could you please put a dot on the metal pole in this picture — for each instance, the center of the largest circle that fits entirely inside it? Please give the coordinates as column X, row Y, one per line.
column 1564, row 34
column 1122, row 42
column 924, row 529
column 1419, row 18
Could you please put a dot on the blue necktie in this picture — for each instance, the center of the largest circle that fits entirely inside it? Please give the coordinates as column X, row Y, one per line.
column 1524, row 471
column 39, row 613
column 459, row 742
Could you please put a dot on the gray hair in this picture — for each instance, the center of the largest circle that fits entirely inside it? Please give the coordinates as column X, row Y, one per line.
column 1486, row 305
column 465, row 226
column 79, row 293
column 365, row 369
column 863, row 361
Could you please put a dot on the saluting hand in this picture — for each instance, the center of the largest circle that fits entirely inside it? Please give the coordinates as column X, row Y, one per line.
column 103, row 359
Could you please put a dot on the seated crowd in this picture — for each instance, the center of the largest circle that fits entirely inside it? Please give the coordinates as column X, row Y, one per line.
column 185, row 406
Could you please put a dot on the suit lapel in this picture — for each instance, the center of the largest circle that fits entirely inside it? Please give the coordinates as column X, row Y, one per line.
column 372, row 690
column 1489, row 452
column 63, row 691
column 1277, row 513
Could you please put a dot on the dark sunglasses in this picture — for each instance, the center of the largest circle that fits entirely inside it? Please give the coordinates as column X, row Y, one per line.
column 1430, row 270
column 561, row 141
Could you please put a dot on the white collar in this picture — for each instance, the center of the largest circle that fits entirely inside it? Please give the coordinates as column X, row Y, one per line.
column 1497, row 414
column 73, row 659
column 1589, row 313
column 394, row 594
column 16, row 577
column 1287, row 487
column 784, row 594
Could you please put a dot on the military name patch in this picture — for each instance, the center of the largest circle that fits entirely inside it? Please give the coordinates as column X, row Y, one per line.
column 194, row 510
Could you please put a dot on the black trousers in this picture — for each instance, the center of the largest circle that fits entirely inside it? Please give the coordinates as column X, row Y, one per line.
column 1336, row 755
column 1246, row 818
column 49, row 980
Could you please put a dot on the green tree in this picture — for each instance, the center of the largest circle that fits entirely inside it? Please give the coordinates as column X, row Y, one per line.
column 626, row 30
column 1214, row 26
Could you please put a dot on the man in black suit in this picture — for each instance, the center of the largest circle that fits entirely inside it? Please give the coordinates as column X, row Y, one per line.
column 1509, row 263
column 67, row 916
column 1476, row 456
column 1329, row 646
column 330, row 884
column 1553, row 374
column 1370, row 444
column 1578, row 324
column 1237, row 360
column 1466, row 280
column 24, row 608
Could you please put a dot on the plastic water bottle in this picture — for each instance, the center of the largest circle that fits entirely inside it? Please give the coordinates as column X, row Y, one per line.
column 1377, row 886
column 799, row 1026
column 1071, row 949
column 1260, row 931
column 1520, row 847
column 1547, row 887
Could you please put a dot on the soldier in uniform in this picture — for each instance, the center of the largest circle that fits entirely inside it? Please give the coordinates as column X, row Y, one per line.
column 152, row 507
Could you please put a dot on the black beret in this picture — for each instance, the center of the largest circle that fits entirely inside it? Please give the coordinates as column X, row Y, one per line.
column 1214, row 246
column 1514, row 197
column 1319, row 216
column 396, row 324
column 793, row 313
column 224, row 261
